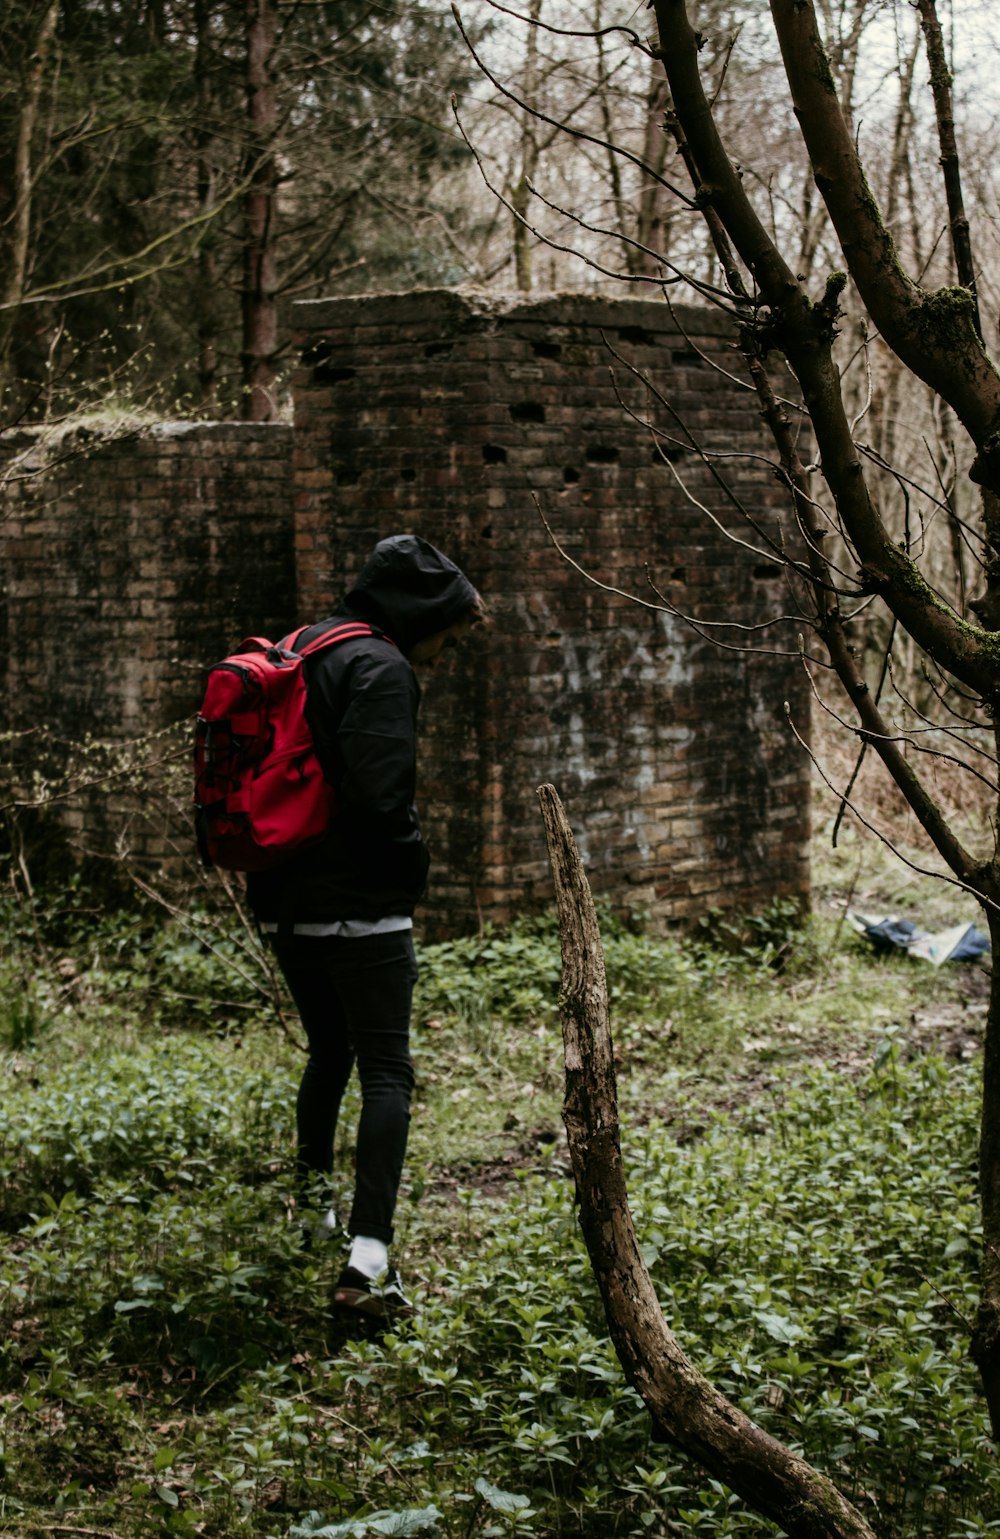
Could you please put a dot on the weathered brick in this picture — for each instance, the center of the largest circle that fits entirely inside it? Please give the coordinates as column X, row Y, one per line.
column 156, row 554
column 466, row 420
column 159, row 552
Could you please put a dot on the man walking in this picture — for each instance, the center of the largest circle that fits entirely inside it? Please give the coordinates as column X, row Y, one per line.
column 340, row 914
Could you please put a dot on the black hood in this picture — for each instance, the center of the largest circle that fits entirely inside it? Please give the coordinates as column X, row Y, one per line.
column 410, row 590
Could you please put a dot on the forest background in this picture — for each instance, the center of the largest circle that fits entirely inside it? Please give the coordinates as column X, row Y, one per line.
column 173, row 174
column 172, row 177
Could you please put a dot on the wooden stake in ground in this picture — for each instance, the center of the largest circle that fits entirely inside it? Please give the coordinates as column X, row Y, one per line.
column 684, row 1406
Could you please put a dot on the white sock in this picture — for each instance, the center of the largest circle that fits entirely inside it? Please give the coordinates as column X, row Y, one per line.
column 369, row 1257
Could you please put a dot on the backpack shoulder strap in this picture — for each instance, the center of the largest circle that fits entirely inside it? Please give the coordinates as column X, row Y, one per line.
column 289, row 643
column 253, row 644
column 347, row 630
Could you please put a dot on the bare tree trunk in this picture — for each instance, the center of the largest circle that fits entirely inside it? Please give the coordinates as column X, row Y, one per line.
column 933, row 333
column 206, row 301
column 811, row 220
column 889, row 372
column 902, row 138
column 966, row 378
column 946, row 468
column 653, row 224
column 988, row 608
column 607, row 128
column 961, row 242
column 14, row 288
column 260, row 309
column 520, row 192
column 986, row 1332
column 685, row 1407
column 844, row 25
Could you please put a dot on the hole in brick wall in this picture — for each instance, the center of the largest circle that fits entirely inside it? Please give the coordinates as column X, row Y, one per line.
column 527, row 411
column 494, row 454
column 546, row 349
column 679, row 574
column 407, row 473
column 602, row 454
column 571, row 474
column 636, row 336
column 765, row 572
column 486, row 533
column 346, row 472
column 670, row 452
column 687, row 355
column 553, row 638
column 329, row 374
column 438, row 349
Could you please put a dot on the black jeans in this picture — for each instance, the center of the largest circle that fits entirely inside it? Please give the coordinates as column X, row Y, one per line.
column 354, row 997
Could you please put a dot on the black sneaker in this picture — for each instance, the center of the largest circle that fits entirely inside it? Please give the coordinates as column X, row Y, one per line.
column 377, row 1297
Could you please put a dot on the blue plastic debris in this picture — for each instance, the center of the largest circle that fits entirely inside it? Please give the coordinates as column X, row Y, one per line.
column 959, row 943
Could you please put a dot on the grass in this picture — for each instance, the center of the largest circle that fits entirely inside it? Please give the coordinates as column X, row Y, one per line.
column 799, row 1128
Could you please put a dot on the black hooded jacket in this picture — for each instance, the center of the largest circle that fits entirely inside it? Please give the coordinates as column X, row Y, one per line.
column 362, row 709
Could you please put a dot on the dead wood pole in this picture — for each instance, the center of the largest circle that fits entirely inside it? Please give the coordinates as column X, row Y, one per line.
column 684, row 1406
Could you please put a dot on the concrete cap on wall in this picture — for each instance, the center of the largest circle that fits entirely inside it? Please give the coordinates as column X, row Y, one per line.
column 454, row 309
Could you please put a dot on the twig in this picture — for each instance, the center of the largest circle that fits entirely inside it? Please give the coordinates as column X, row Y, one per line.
column 261, row 955
column 66, row 1528
column 548, row 240
column 777, row 553
column 718, row 297
column 864, row 746
column 966, row 1322
column 701, row 628
column 564, row 127
column 940, row 876
column 546, row 26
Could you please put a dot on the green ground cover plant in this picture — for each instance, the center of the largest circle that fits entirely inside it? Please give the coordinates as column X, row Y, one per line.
column 170, row 1363
column 800, row 1135
column 169, row 1356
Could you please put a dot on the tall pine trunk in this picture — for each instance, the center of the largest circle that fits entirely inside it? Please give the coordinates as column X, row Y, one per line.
column 20, row 219
column 206, row 300
column 259, row 294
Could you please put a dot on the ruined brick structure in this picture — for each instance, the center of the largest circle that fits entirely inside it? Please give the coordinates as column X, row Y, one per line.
column 451, row 414
column 464, row 418
column 126, row 562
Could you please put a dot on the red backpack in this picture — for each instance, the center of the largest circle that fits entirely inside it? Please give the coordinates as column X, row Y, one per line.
column 259, row 792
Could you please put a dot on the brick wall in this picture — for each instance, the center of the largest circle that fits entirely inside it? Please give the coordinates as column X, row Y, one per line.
column 128, row 563
column 449, row 414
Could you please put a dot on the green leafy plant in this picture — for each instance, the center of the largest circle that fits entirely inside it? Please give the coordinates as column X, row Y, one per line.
column 168, row 1358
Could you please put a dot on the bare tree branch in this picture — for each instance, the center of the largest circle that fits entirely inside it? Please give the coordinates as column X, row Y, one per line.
column 687, row 1409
